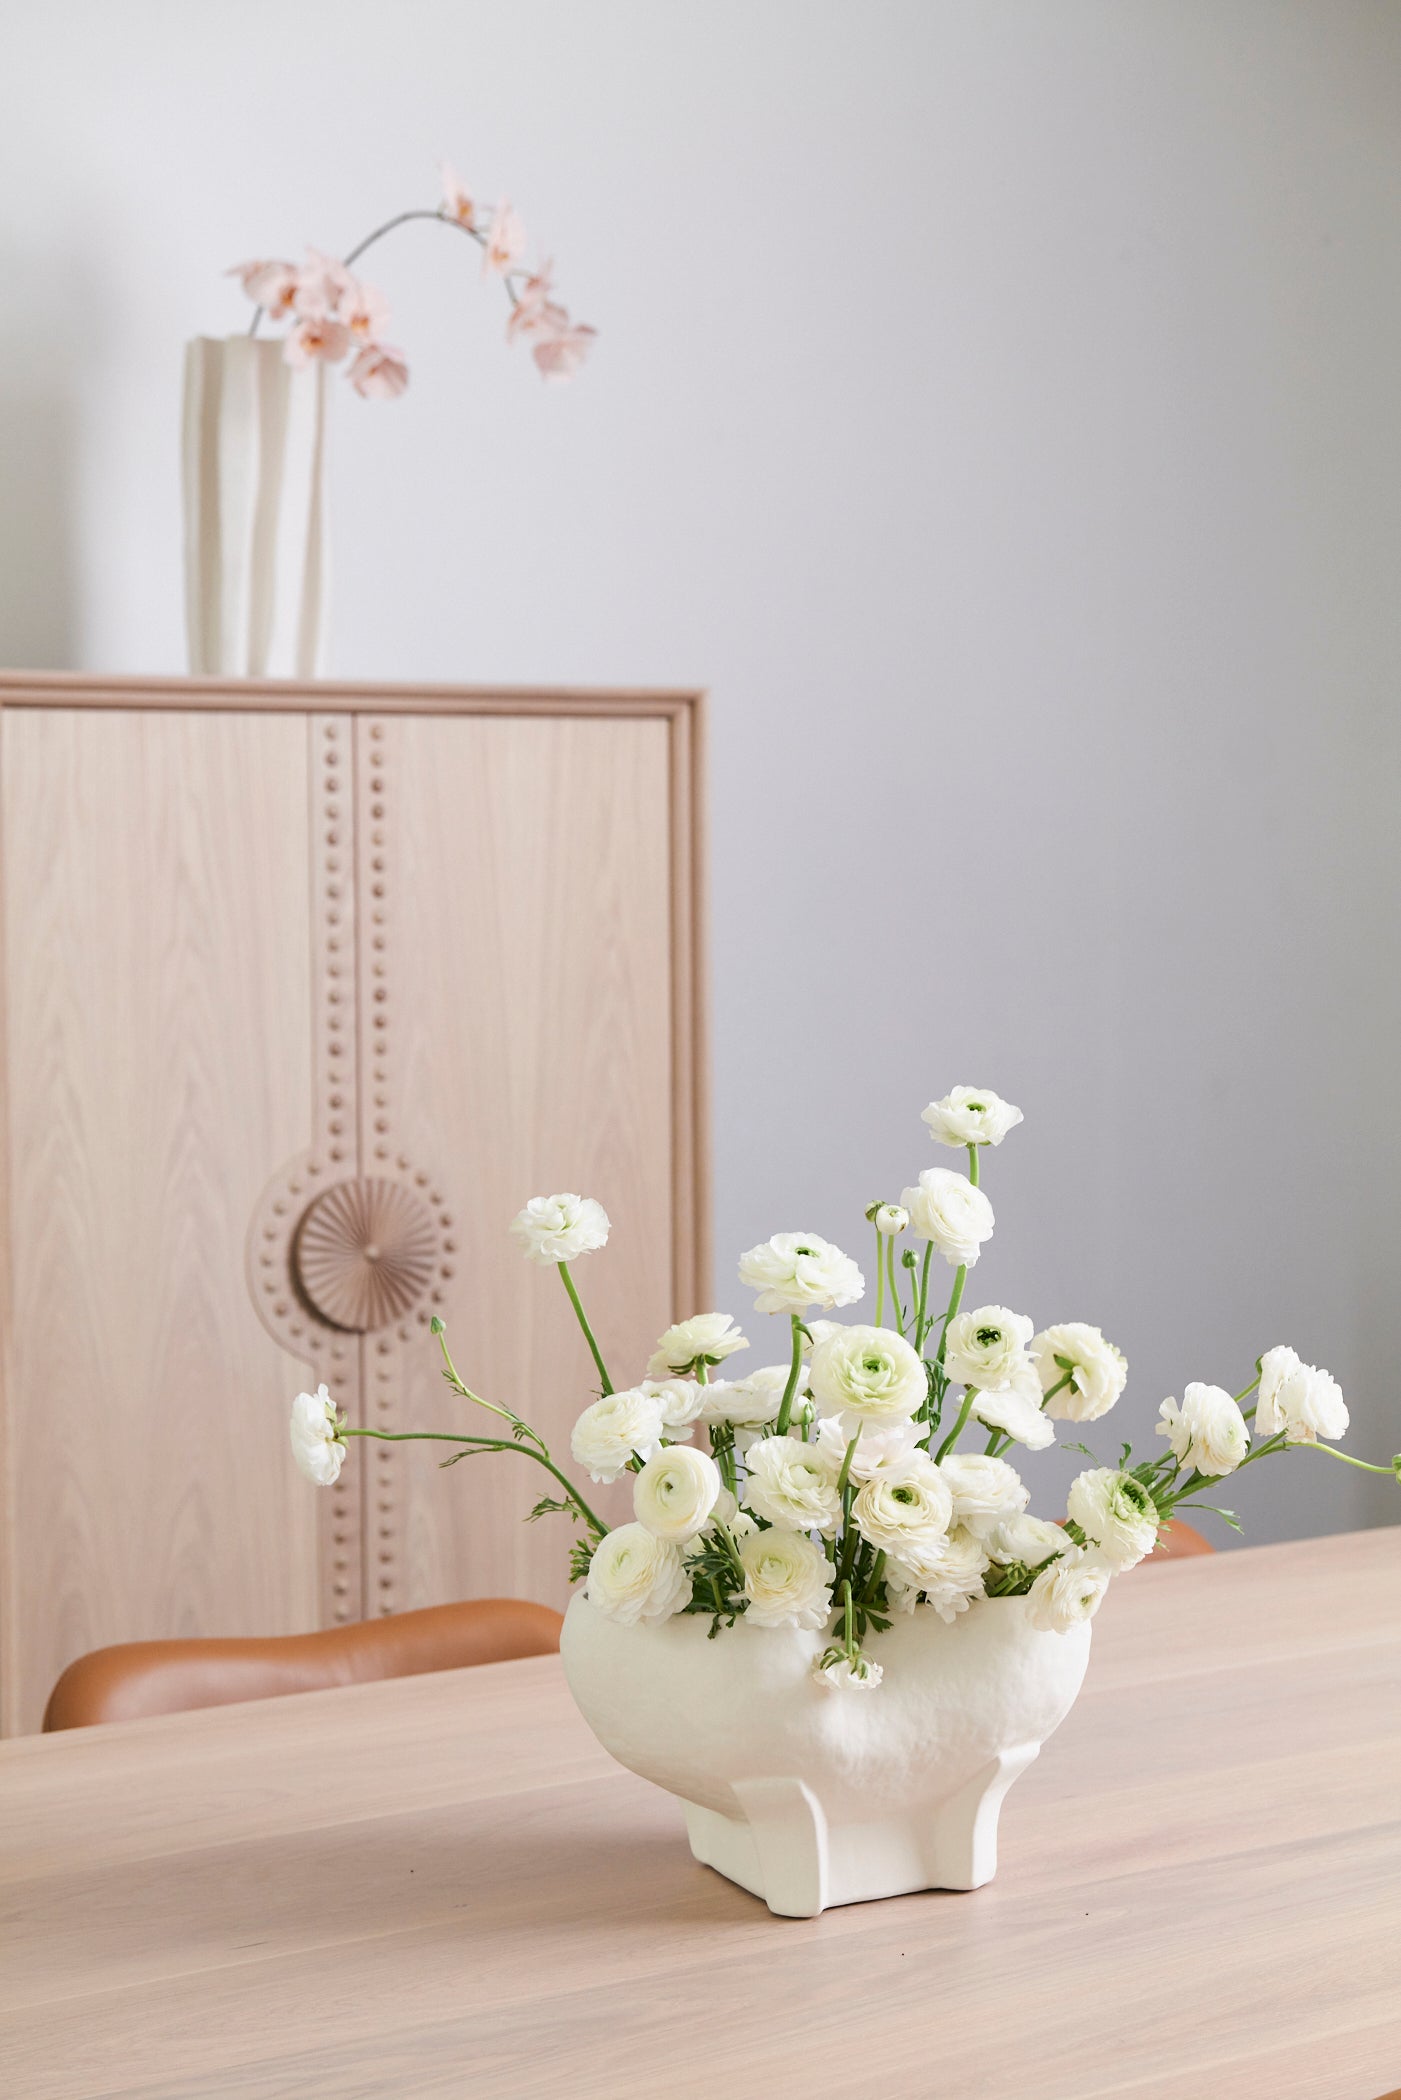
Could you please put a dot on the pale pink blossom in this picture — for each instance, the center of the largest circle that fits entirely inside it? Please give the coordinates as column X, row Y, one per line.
column 322, row 283
column 316, row 337
column 365, row 311
column 456, row 202
column 534, row 311
column 271, row 285
column 379, row 373
column 560, row 355
column 505, row 243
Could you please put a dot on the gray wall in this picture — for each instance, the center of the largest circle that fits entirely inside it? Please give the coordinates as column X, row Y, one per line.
column 999, row 408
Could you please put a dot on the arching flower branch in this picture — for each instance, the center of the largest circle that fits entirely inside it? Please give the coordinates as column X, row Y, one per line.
column 333, row 314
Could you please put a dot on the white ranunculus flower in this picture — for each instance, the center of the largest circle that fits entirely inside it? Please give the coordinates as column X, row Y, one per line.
column 971, row 1115
column 616, row 1428
column 792, row 1484
column 1208, row 1431
column 878, row 1450
column 316, row 1444
column 750, row 1402
column 1116, row 1513
column 985, row 1490
column 1027, row 1541
column 1069, row 1591
column 1098, row 1372
column 796, row 1269
column 675, row 1492
column 682, row 1401
column 558, row 1228
column 1016, row 1408
column 1299, row 1399
column 787, row 1579
column 635, row 1575
column 868, row 1374
column 987, row 1347
column 906, row 1514
column 947, row 1209
column 835, row 1667
column 890, row 1220
column 958, row 1579
column 704, row 1338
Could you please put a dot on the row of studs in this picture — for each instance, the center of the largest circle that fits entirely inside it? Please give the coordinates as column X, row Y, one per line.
column 336, row 1106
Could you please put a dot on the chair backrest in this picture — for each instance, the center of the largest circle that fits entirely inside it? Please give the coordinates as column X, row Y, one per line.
column 163, row 1677
column 1179, row 1540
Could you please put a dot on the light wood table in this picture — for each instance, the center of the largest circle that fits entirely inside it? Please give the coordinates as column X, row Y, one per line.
column 442, row 1886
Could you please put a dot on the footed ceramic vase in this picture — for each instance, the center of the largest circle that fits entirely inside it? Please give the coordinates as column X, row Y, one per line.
column 810, row 1794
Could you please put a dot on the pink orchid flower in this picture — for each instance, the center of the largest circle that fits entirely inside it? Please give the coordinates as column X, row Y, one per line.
column 505, row 243
column 533, row 307
column 560, row 355
column 271, row 285
column 316, row 337
column 365, row 311
column 456, row 202
column 379, row 373
column 322, row 283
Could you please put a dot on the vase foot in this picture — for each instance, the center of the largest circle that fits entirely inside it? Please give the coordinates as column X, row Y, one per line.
column 784, row 1850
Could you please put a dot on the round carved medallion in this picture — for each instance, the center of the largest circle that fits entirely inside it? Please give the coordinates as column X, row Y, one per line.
column 365, row 1251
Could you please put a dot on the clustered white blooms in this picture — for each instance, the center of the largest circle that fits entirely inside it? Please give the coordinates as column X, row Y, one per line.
column 836, row 1489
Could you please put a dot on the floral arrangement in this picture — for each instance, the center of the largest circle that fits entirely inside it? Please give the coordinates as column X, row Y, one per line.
column 331, row 313
column 838, row 1487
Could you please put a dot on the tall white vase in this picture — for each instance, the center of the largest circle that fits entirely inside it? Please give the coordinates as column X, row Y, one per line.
column 255, row 510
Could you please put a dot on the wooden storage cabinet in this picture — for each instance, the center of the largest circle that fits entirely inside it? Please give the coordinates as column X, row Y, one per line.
column 306, row 990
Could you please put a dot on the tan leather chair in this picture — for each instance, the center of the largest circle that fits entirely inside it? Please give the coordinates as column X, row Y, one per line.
column 1180, row 1540
column 166, row 1677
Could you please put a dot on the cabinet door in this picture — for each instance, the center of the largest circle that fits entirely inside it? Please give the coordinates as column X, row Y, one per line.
column 159, row 1062
column 518, row 1040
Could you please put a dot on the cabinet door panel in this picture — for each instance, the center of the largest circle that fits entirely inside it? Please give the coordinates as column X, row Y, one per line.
column 523, row 1024
column 157, row 970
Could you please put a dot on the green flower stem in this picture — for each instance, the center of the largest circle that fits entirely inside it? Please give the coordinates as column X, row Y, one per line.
column 785, row 1411
column 475, row 1444
column 880, row 1277
column 582, row 1318
column 958, row 1428
column 844, row 1476
column 848, row 1623
column 1345, row 1458
column 1246, row 1391
column 922, row 1320
column 955, row 1300
column 896, row 1307
column 1060, row 1384
column 873, row 1580
column 460, row 1385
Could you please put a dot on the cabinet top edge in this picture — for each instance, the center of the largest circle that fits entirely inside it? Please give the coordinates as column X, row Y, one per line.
column 339, row 696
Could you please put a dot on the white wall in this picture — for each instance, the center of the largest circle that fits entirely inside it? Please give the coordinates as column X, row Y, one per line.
column 998, row 407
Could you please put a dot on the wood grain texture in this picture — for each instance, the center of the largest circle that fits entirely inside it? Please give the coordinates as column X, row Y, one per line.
column 156, row 926
column 442, row 1885
column 529, row 876
column 520, row 1042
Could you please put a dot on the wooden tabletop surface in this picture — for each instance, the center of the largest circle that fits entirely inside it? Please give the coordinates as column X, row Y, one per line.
column 442, row 1886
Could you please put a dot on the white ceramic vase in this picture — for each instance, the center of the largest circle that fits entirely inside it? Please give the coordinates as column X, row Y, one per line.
column 811, row 1795
column 255, row 510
